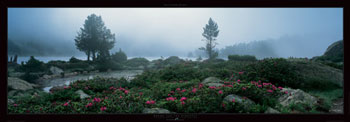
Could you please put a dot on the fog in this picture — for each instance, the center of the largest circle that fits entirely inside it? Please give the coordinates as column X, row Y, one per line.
column 296, row 32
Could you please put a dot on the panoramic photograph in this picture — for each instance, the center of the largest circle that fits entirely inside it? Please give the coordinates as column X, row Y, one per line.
column 175, row 60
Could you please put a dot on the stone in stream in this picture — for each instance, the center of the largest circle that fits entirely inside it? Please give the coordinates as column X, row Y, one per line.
column 155, row 111
column 82, row 94
column 55, row 70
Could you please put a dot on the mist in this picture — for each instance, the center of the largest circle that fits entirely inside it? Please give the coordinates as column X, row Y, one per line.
column 290, row 32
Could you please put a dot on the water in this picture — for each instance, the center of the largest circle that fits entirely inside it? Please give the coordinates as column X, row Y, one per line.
column 128, row 74
column 66, row 58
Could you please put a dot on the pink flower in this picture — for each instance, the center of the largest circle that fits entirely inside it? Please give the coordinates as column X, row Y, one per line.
column 194, row 90
column 233, row 100
column 111, row 87
column 274, row 88
column 172, row 92
column 286, row 92
column 200, row 85
column 240, row 73
column 106, row 97
column 15, row 105
column 170, row 98
column 103, row 108
column 183, row 98
column 168, row 94
column 184, row 90
column 223, row 105
column 65, row 87
column 243, row 88
column 120, row 97
column 269, row 91
column 140, row 93
column 88, row 105
column 97, row 99
column 212, row 87
column 126, row 91
column 238, row 80
column 260, row 86
column 280, row 88
column 150, row 102
column 86, row 87
column 178, row 89
column 220, row 92
column 259, row 81
column 182, row 102
column 65, row 104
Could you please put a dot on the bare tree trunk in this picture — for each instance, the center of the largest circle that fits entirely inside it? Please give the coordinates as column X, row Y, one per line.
column 93, row 55
column 88, row 56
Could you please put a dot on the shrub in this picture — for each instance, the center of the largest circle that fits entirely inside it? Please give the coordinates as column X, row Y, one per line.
column 29, row 77
column 119, row 56
column 74, row 60
column 33, row 65
column 277, row 71
column 135, row 62
column 242, row 58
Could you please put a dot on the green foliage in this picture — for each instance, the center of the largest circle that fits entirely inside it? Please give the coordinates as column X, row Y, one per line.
column 74, row 60
column 242, row 58
column 29, row 77
column 119, row 56
column 275, row 70
column 33, row 65
column 135, row 62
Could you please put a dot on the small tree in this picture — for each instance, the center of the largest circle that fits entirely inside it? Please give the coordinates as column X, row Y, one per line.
column 119, row 56
column 210, row 33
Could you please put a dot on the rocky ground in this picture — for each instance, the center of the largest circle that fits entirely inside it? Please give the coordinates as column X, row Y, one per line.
column 338, row 106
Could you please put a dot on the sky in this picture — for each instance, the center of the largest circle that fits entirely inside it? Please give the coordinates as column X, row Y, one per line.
column 176, row 31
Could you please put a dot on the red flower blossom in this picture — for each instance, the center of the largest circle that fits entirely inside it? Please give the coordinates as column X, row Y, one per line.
column 97, row 99
column 103, row 108
column 184, row 90
column 243, row 88
column 194, row 90
column 223, row 105
column 286, row 92
column 240, row 73
column 182, row 102
column 126, row 91
column 88, row 105
column 260, row 86
column 120, row 97
column 220, row 92
column 269, row 91
column 233, row 100
column 183, row 98
column 168, row 94
column 170, row 98
column 15, row 105
column 280, row 88
column 200, row 85
column 65, row 104
column 212, row 87
column 140, row 93
column 172, row 92
column 151, row 102
column 178, row 89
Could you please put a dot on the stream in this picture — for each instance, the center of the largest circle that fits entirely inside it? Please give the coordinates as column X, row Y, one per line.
column 49, row 83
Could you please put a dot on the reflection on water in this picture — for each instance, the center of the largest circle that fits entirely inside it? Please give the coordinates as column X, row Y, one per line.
column 48, row 84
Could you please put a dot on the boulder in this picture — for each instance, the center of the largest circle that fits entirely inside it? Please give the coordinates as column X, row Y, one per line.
column 19, row 84
column 296, row 96
column 271, row 111
column 56, row 88
column 155, row 110
column 82, row 94
column 55, row 70
column 247, row 103
column 46, row 77
column 211, row 80
column 10, row 101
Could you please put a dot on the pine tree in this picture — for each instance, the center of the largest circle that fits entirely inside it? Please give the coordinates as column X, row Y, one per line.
column 210, row 33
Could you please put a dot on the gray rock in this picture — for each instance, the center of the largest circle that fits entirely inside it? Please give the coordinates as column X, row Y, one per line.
column 296, row 97
column 11, row 93
column 19, row 84
column 82, row 94
column 55, row 70
column 46, row 77
column 271, row 111
column 211, row 80
column 155, row 110
column 56, row 88
column 247, row 103
column 10, row 101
